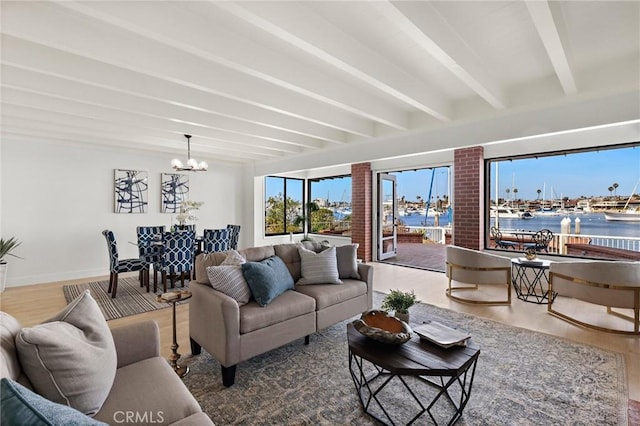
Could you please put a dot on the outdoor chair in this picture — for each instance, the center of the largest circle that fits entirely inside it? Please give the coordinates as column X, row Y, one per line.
column 541, row 240
column 605, row 283
column 499, row 242
column 477, row 268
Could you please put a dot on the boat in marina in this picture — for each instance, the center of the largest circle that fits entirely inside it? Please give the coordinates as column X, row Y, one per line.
column 505, row 212
column 628, row 215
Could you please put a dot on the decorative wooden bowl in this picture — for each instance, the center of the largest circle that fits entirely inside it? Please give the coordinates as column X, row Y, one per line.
column 379, row 326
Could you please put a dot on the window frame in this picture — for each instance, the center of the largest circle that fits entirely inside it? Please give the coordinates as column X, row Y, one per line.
column 284, row 200
column 319, row 179
column 489, row 162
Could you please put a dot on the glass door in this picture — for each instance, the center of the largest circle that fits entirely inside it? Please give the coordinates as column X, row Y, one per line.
column 387, row 217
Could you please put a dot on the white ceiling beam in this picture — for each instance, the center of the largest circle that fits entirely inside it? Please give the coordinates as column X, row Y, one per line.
column 135, row 131
column 544, row 22
column 421, row 22
column 173, row 25
column 51, row 26
column 114, row 118
column 26, row 55
column 298, row 26
column 51, row 87
column 53, row 133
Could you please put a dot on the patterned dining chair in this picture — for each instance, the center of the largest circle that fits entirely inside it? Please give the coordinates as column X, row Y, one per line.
column 176, row 258
column 235, row 236
column 117, row 265
column 148, row 248
column 216, row 240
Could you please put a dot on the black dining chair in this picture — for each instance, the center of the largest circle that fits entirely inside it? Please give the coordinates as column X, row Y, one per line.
column 148, row 247
column 117, row 265
column 176, row 258
column 499, row 242
column 541, row 240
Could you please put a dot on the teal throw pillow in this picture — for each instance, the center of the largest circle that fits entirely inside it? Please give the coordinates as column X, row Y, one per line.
column 20, row 406
column 267, row 279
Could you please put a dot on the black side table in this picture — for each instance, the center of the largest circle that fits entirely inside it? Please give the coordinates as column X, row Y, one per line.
column 531, row 280
column 374, row 365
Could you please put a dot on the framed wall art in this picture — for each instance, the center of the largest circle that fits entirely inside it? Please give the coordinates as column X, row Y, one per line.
column 174, row 189
column 131, row 191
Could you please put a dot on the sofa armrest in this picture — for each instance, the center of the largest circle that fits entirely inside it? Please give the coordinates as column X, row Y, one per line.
column 136, row 342
column 366, row 275
column 214, row 323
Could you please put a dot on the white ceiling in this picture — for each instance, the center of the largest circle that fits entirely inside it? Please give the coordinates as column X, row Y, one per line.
column 256, row 81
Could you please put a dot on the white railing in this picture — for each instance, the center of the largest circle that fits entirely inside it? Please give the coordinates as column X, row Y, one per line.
column 433, row 233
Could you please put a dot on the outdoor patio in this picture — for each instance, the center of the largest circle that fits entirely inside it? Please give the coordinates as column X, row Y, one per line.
column 419, row 255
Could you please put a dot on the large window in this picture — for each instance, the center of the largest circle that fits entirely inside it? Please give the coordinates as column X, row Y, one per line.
column 589, row 199
column 283, row 205
column 331, row 205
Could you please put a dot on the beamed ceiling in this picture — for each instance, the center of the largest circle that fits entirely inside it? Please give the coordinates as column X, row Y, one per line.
column 256, row 81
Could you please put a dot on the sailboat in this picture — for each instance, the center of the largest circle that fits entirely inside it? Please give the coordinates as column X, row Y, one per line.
column 627, row 214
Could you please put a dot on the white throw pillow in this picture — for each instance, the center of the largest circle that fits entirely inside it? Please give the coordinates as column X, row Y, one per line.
column 318, row 268
column 71, row 359
column 229, row 279
column 233, row 258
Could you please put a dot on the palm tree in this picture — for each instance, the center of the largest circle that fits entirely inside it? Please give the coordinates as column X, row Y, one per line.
column 610, row 190
column 615, row 188
column 538, row 191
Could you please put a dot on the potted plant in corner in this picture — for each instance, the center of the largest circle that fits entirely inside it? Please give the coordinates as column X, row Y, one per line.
column 399, row 302
column 6, row 249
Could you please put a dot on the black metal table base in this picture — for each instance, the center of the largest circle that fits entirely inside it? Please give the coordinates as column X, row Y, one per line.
column 369, row 390
column 530, row 289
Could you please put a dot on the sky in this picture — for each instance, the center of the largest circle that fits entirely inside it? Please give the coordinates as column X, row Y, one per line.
column 573, row 175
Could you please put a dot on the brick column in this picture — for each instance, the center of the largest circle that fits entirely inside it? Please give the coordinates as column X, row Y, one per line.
column 468, row 208
column 361, row 209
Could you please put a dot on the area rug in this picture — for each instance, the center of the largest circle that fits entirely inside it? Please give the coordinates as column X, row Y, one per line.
column 131, row 299
column 522, row 378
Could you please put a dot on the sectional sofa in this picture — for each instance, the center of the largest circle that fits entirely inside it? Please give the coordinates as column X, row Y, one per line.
column 233, row 332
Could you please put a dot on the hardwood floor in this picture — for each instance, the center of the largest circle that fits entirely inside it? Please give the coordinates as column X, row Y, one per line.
column 33, row 304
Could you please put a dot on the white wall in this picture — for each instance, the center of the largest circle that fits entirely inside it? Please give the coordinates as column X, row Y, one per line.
column 57, row 199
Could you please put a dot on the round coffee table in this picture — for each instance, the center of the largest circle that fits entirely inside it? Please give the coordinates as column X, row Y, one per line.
column 375, row 365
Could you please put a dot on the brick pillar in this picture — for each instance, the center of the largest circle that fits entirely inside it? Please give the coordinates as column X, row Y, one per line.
column 361, row 209
column 468, row 210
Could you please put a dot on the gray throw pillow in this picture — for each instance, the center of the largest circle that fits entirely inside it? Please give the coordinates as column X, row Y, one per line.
column 267, row 279
column 347, row 257
column 318, row 268
column 71, row 359
column 233, row 258
column 20, row 406
column 229, row 279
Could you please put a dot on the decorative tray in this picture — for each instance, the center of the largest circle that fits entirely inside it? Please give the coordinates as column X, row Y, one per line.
column 379, row 326
column 441, row 334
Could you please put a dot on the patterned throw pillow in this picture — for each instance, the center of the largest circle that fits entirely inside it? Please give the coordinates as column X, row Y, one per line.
column 228, row 279
column 71, row 359
column 318, row 268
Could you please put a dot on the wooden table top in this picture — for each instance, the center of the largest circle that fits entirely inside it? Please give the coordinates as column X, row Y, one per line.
column 417, row 357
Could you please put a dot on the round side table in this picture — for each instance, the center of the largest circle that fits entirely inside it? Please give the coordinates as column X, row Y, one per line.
column 173, row 298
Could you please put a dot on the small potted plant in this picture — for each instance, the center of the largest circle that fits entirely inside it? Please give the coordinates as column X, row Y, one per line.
column 305, row 219
column 6, row 249
column 399, row 302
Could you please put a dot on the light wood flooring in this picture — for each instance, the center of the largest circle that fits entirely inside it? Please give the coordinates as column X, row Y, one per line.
column 33, row 304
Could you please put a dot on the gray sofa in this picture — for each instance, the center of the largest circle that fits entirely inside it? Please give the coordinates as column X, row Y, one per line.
column 232, row 333
column 145, row 389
